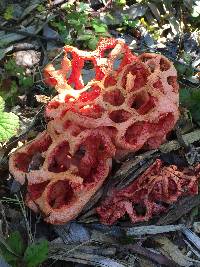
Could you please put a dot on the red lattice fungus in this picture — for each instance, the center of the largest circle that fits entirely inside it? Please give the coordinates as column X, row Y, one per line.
column 149, row 193
column 131, row 103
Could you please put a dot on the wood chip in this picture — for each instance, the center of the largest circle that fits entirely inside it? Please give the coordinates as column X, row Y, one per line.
column 169, row 249
column 153, row 229
column 182, row 207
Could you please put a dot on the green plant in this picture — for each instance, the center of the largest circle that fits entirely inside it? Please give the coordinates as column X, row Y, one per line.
column 15, row 70
column 41, row 8
column 17, row 254
column 79, row 28
column 8, row 14
column 9, row 123
column 13, row 82
column 127, row 22
column 190, row 98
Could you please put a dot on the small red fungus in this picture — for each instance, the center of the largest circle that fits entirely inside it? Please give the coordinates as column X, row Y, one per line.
column 149, row 194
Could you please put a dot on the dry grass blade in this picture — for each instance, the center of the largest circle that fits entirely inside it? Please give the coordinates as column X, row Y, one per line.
column 101, row 250
column 192, row 237
column 171, row 250
column 155, row 257
column 153, row 229
column 192, row 249
column 89, row 259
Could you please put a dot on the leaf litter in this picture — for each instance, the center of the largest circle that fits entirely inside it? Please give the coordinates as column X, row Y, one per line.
column 91, row 243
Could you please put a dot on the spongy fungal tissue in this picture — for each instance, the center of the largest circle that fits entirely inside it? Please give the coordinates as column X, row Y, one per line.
column 122, row 109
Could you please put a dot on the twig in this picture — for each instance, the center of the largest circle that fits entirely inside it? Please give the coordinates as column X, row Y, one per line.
column 136, row 248
column 107, row 5
column 153, row 229
column 57, row 2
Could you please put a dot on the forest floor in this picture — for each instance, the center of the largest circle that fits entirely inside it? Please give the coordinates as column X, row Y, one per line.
column 32, row 34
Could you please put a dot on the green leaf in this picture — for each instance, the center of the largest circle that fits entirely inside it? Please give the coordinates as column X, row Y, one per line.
column 120, row 2
column 181, row 68
column 85, row 37
column 12, row 68
column 2, row 104
column 35, row 254
column 9, row 12
column 190, row 98
column 9, row 124
column 41, row 8
column 12, row 249
column 92, row 44
column 98, row 26
column 25, row 81
column 16, row 243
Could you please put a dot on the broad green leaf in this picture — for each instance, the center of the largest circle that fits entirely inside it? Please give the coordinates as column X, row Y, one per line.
column 2, row 104
column 93, row 43
column 12, row 68
column 98, row 26
column 190, row 98
column 12, row 249
column 120, row 2
column 16, row 243
column 181, row 68
column 25, row 81
column 35, row 254
column 85, row 37
column 9, row 124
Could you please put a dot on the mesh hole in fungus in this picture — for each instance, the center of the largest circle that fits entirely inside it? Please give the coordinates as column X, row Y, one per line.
column 109, row 81
column 114, row 97
column 172, row 80
column 152, row 66
column 143, row 103
column 107, row 52
column 117, row 62
column 145, row 58
column 60, row 194
column 158, row 85
column 60, row 159
column 140, row 209
column 22, row 161
column 88, row 71
column 36, row 190
column 135, row 77
column 119, row 116
column 164, row 64
column 133, row 132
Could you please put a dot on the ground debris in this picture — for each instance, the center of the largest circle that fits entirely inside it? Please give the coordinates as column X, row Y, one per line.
column 169, row 249
column 182, row 207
